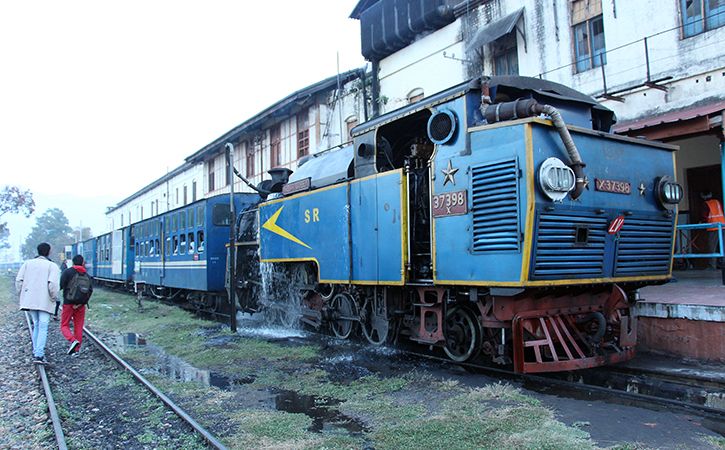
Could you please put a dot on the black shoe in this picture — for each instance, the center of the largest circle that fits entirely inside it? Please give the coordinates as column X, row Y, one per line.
column 40, row 360
column 73, row 347
column 55, row 318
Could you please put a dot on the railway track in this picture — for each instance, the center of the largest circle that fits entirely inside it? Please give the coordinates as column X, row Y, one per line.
column 52, row 410
column 183, row 415
column 60, row 437
column 644, row 388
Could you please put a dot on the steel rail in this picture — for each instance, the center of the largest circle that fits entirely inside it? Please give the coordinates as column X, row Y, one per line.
column 714, row 414
column 213, row 441
column 52, row 410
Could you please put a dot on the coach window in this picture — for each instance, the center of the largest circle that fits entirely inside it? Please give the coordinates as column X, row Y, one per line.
column 190, row 217
column 158, row 249
column 176, row 245
column 137, row 250
column 166, row 224
column 168, row 246
column 182, row 220
column 200, row 240
column 200, row 215
column 191, row 243
column 220, row 215
column 152, row 248
column 182, row 245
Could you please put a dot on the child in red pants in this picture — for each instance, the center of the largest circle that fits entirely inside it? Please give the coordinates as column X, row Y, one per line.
column 77, row 288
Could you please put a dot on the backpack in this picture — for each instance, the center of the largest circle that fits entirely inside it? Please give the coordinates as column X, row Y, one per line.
column 79, row 289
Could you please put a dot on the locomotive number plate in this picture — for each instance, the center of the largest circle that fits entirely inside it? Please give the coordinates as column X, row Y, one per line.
column 450, row 204
column 613, row 186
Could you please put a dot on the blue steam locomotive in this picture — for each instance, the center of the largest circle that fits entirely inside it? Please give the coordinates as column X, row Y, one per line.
column 498, row 219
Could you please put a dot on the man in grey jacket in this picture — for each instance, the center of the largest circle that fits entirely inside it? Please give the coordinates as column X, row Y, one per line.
column 37, row 286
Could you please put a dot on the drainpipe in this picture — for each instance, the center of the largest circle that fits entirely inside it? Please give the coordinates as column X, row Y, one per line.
column 232, row 238
column 376, row 89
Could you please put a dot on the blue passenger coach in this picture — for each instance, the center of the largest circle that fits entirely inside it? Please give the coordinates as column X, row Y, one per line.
column 114, row 256
column 87, row 249
column 185, row 248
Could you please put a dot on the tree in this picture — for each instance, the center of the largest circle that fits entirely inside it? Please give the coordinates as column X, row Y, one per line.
column 13, row 200
column 52, row 227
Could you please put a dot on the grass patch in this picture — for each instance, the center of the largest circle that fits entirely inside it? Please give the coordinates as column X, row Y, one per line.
column 715, row 441
column 182, row 334
column 413, row 411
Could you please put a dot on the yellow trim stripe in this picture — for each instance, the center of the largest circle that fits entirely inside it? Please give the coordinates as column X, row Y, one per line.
column 403, row 227
column 327, row 188
column 530, row 204
column 551, row 282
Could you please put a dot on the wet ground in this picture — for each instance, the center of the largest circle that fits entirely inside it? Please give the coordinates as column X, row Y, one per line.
column 609, row 423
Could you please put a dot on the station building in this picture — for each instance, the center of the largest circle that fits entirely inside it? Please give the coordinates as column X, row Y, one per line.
column 306, row 122
column 659, row 65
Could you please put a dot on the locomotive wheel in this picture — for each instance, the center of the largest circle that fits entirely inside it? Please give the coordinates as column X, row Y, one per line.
column 461, row 333
column 302, row 277
column 375, row 324
column 326, row 291
column 344, row 310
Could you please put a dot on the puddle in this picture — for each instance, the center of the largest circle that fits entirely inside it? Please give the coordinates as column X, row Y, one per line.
column 176, row 368
column 131, row 340
column 324, row 418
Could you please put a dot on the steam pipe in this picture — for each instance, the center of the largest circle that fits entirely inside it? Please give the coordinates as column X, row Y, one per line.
column 249, row 183
column 530, row 107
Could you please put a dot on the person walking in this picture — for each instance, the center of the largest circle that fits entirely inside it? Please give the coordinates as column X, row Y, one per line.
column 77, row 288
column 37, row 286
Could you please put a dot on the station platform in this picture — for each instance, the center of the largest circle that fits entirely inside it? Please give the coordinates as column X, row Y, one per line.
column 684, row 318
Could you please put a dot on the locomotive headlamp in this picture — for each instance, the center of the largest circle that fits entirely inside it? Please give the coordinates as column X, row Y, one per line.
column 668, row 192
column 556, row 179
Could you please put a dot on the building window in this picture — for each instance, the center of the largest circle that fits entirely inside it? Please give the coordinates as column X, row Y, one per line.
column 185, row 197
column 303, row 133
column 588, row 30
column 415, row 95
column 193, row 191
column 142, row 213
column 275, row 147
column 157, row 206
column 699, row 16
column 351, row 123
column 250, row 162
column 506, row 55
column 211, row 174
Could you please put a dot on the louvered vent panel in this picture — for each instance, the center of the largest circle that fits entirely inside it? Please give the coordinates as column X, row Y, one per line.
column 644, row 247
column 495, row 206
column 557, row 253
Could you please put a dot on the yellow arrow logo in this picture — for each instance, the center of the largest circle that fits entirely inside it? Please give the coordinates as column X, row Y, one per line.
column 271, row 225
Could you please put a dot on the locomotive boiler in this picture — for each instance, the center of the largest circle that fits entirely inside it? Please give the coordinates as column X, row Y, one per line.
column 499, row 219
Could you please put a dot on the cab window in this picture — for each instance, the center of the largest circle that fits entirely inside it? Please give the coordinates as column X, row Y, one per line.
column 221, row 215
